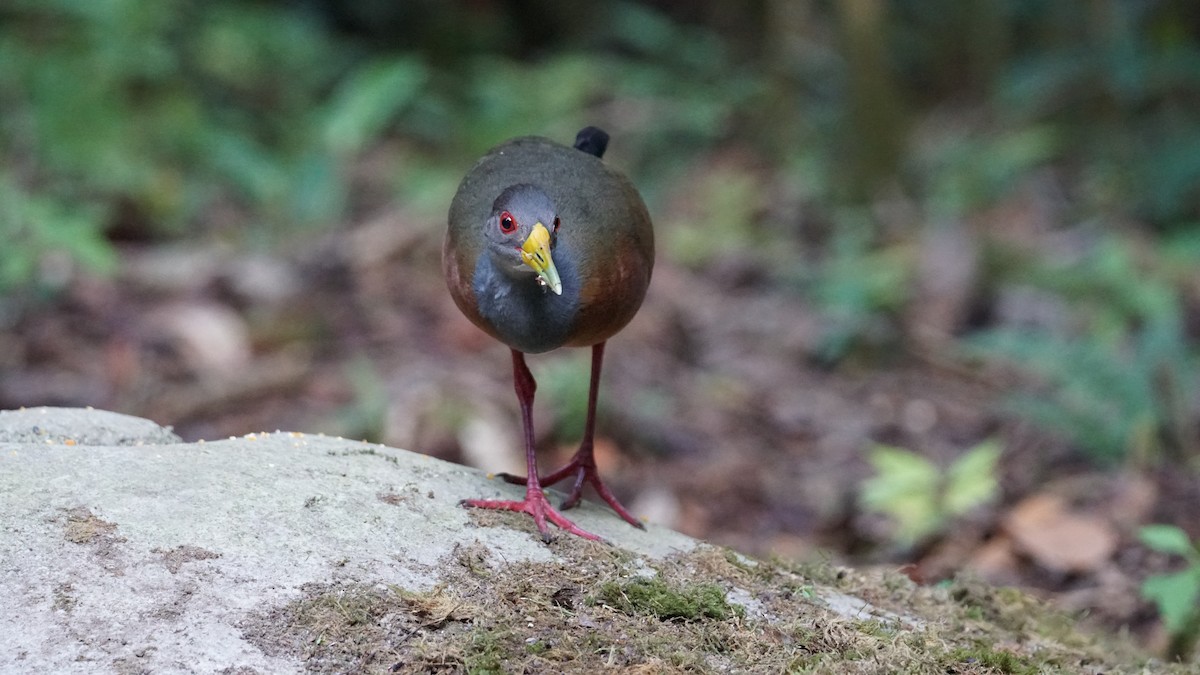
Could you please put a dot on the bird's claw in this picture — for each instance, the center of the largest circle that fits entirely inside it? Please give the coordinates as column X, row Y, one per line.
column 584, row 472
column 537, row 506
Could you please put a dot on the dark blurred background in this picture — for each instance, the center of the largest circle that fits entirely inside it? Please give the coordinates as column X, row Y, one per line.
column 928, row 287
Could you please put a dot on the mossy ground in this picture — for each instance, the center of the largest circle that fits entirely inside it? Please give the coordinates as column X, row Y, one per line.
column 711, row 610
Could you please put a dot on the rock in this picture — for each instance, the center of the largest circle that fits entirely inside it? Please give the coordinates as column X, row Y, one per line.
column 114, row 547
column 75, row 426
column 123, row 550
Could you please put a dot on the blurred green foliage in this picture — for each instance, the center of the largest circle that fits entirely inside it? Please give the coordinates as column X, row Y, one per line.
column 921, row 498
column 175, row 117
column 1119, row 374
column 722, row 219
column 122, row 112
column 860, row 286
column 159, row 111
column 37, row 228
column 1176, row 594
column 254, row 120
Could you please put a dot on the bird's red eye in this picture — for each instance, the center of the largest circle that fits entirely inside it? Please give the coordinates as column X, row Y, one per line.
column 508, row 224
column 557, row 223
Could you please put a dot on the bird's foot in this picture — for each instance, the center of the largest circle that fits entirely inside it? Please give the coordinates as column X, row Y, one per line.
column 584, row 472
column 588, row 474
column 536, row 505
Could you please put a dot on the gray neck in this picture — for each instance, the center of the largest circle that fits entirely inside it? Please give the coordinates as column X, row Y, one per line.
column 528, row 317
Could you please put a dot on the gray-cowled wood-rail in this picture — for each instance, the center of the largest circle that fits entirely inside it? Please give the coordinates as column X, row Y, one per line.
column 548, row 247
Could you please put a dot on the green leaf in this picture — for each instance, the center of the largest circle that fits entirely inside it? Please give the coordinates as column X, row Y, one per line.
column 905, row 487
column 898, row 472
column 1176, row 595
column 1167, row 539
column 971, row 480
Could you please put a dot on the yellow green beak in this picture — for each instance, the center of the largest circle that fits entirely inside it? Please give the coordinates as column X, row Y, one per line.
column 535, row 252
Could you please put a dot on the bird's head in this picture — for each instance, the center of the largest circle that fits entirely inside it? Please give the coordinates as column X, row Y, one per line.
column 522, row 232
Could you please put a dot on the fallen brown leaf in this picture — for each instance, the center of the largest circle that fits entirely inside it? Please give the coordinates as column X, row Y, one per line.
column 1043, row 527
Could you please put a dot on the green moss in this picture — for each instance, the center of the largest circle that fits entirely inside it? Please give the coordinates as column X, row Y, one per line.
column 590, row 611
column 993, row 659
column 656, row 598
column 872, row 627
column 484, row 653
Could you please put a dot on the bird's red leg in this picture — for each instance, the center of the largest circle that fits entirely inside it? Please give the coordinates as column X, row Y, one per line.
column 583, row 464
column 535, row 502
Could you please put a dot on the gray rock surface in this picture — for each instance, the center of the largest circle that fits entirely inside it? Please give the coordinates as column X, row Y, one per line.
column 125, row 550
column 80, row 426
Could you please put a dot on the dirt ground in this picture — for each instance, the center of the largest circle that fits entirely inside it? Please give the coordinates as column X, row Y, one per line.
column 717, row 417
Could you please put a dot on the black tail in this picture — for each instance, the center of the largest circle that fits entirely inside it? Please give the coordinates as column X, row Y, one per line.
column 592, row 140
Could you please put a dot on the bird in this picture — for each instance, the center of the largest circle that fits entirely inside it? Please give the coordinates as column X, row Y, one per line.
column 549, row 247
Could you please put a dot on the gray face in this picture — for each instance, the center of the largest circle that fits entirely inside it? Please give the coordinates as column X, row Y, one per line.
column 514, row 214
